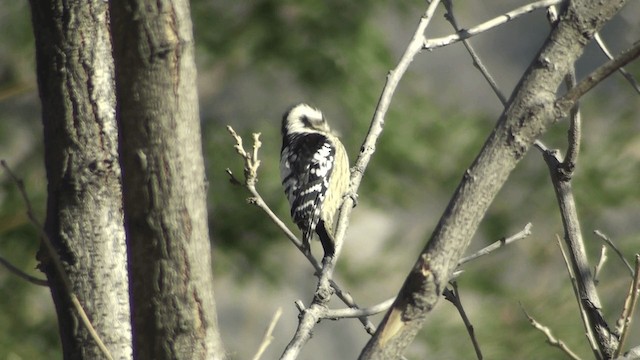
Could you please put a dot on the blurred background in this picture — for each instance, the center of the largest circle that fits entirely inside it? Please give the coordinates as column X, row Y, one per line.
column 257, row 58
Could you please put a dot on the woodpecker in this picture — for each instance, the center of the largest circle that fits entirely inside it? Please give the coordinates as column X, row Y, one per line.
column 315, row 173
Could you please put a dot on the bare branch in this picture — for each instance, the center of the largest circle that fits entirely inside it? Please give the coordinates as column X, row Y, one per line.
column 454, row 297
column 550, row 338
column 600, row 265
column 574, row 133
column 14, row 269
column 583, row 313
column 622, row 70
column 355, row 312
column 498, row 244
column 630, row 303
column 268, row 337
column 587, row 293
column 476, row 59
column 608, row 241
column 56, row 262
column 308, row 319
column 632, row 354
column 572, row 96
column 430, row 44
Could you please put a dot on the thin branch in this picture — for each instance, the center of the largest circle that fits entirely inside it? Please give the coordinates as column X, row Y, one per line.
column 552, row 340
column 600, row 265
column 454, row 297
column 57, row 263
column 498, row 244
column 630, row 303
column 622, row 70
column 576, row 292
column 574, row 133
column 268, row 337
column 448, row 4
column 608, row 241
column 16, row 271
column 311, row 316
column 355, row 312
column 430, row 44
column 587, row 293
column 567, row 101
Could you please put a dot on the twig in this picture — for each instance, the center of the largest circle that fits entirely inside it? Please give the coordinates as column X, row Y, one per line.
column 600, row 265
column 630, row 303
column 574, row 133
column 57, row 263
column 454, row 297
column 498, row 244
column 488, row 25
column 355, row 312
column 622, row 70
column 550, row 338
column 448, row 4
column 571, row 97
column 608, row 241
column 268, row 337
column 22, row 274
column 583, row 313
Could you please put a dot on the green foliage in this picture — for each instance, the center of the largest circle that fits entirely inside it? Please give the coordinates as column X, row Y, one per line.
column 310, row 38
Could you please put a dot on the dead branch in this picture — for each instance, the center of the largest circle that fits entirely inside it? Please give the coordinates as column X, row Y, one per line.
column 587, row 293
column 552, row 340
column 454, row 297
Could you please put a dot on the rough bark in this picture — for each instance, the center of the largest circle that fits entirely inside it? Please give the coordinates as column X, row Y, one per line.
column 84, row 206
column 529, row 113
column 173, row 308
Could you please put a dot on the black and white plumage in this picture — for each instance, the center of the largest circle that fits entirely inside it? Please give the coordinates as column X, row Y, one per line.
column 315, row 173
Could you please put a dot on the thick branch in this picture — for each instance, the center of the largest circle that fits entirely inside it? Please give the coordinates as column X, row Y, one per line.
column 529, row 114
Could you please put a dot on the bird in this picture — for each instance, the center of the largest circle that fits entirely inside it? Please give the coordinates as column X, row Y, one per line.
column 314, row 168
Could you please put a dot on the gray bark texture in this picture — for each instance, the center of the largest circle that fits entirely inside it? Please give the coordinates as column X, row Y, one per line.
column 173, row 307
column 530, row 111
column 84, row 207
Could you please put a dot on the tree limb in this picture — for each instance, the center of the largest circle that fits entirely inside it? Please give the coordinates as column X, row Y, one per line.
column 454, row 297
column 15, row 270
column 474, row 56
column 530, row 112
column 625, row 73
column 587, row 293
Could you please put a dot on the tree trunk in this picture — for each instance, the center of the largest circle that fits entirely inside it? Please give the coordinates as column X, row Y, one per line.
column 84, row 207
column 173, row 307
